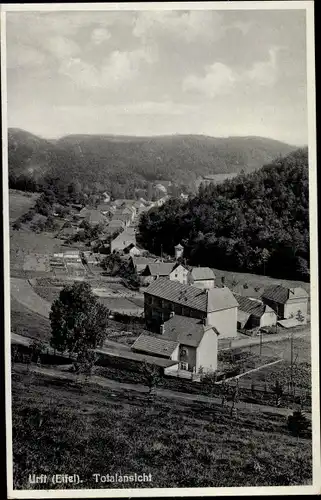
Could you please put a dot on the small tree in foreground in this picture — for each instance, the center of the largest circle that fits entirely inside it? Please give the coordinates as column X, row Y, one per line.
column 151, row 375
column 78, row 321
column 298, row 424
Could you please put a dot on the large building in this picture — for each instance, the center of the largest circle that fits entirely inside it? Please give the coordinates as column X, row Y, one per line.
column 217, row 307
column 123, row 240
column 287, row 302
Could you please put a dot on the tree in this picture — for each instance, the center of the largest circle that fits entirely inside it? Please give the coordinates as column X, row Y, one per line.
column 151, row 375
column 298, row 423
column 78, row 321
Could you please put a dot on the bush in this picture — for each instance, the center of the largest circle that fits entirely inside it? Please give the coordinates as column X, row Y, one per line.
column 298, row 424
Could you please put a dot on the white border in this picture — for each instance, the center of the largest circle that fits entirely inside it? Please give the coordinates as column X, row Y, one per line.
column 315, row 488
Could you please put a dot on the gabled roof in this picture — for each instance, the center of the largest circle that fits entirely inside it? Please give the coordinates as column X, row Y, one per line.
column 212, row 300
column 95, row 217
column 125, row 238
column 160, row 268
column 185, row 330
column 141, row 263
column 179, row 246
column 202, row 273
column 155, row 345
column 281, row 294
column 252, row 306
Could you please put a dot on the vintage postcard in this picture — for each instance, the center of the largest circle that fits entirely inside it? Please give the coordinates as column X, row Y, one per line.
column 160, row 245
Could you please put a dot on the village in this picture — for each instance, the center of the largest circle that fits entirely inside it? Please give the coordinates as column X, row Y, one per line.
column 184, row 319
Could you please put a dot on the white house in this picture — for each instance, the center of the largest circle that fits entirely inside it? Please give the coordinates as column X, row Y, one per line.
column 287, row 302
column 179, row 273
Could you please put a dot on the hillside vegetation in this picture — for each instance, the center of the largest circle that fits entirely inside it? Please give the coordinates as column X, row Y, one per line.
column 257, row 223
column 122, row 164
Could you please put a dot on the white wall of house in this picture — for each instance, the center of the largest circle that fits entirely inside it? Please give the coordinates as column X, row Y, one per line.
column 203, row 284
column 179, row 274
column 187, row 354
column 207, row 352
column 225, row 322
column 293, row 306
column 268, row 319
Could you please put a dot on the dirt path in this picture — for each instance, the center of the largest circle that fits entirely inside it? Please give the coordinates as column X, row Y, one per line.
column 165, row 393
column 23, row 292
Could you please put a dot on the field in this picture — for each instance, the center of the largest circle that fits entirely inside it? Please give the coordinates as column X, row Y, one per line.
column 235, row 281
column 86, row 429
column 20, row 202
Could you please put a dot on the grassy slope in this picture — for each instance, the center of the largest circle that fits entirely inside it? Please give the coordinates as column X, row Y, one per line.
column 59, row 427
column 20, row 202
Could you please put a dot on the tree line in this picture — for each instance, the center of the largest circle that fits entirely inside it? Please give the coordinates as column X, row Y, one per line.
column 256, row 223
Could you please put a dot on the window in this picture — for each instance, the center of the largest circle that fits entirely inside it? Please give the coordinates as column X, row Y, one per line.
column 183, row 365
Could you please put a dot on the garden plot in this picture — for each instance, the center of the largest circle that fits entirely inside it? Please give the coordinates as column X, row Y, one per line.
column 121, row 305
column 36, row 262
column 20, row 202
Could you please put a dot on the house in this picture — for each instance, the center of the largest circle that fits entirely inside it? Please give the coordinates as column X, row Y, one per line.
column 202, row 277
column 161, row 201
column 179, row 273
column 123, row 240
column 252, row 313
column 105, row 208
column 95, row 217
column 140, row 263
column 287, row 302
column 156, row 345
column 186, row 340
column 116, row 225
column 120, row 216
column 198, row 342
column 217, row 306
column 133, row 249
column 157, row 270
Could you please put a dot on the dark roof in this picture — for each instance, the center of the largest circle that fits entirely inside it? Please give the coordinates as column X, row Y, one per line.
column 186, row 295
column 135, row 356
column 160, row 268
column 281, row 294
column 251, row 306
column 155, row 345
column 185, row 330
column 202, row 273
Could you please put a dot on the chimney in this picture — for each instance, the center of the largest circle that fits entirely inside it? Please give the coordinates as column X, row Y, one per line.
column 162, row 329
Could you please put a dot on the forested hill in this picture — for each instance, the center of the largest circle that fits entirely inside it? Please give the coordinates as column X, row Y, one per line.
column 257, row 222
column 120, row 163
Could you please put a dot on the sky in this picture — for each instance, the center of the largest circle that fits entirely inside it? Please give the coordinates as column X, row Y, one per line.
column 212, row 72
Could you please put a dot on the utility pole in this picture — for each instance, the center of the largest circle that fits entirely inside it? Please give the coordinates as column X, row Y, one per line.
column 161, row 252
column 261, row 342
column 291, row 375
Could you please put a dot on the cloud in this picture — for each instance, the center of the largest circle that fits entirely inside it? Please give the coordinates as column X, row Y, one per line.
column 100, row 35
column 218, row 79
column 23, row 57
column 116, row 70
column 265, row 73
column 187, row 26
column 61, row 47
column 221, row 79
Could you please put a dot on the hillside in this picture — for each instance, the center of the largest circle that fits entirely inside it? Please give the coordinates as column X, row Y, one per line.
column 257, row 223
column 108, row 160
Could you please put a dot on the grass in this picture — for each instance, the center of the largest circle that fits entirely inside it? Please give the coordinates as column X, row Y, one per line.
column 255, row 280
column 27, row 323
column 65, row 426
column 20, row 202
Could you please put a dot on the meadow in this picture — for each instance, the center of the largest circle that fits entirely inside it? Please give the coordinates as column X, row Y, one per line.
column 83, row 429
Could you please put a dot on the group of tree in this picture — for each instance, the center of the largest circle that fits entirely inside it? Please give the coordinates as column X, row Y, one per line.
column 115, row 265
column 256, row 223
